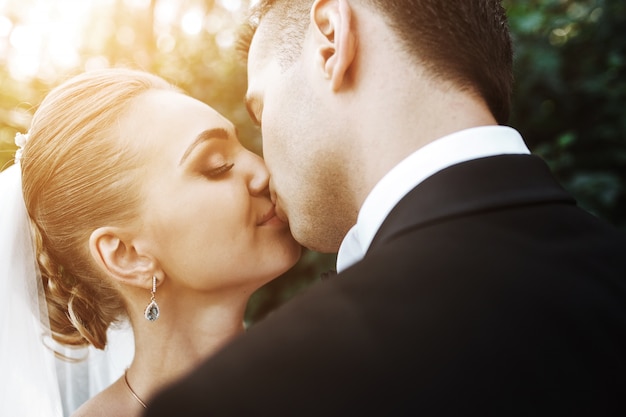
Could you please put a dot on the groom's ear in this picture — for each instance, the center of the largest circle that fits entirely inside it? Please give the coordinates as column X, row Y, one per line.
column 115, row 251
column 333, row 32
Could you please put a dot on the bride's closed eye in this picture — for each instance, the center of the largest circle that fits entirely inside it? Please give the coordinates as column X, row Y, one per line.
column 216, row 172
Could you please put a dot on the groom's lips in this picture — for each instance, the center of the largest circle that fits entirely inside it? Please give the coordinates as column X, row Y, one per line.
column 280, row 214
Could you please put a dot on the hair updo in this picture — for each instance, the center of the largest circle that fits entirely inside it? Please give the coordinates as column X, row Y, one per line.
column 78, row 174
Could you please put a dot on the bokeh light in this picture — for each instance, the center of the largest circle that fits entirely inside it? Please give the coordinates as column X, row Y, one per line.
column 45, row 38
column 190, row 43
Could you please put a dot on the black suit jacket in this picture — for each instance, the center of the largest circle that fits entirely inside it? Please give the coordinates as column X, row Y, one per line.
column 486, row 292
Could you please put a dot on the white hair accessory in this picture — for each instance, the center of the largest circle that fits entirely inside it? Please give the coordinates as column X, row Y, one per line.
column 20, row 140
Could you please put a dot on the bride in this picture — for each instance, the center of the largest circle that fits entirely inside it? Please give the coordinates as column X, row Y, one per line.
column 141, row 206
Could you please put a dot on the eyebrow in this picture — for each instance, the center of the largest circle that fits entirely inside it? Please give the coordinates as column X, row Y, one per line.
column 209, row 134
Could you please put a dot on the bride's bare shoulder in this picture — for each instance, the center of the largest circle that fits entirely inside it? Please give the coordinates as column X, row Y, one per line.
column 114, row 401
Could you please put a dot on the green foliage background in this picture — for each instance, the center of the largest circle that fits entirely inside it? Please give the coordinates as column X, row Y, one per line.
column 569, row 101
column 570, row 96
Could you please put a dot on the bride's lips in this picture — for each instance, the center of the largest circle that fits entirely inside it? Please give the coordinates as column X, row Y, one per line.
column 270, row 218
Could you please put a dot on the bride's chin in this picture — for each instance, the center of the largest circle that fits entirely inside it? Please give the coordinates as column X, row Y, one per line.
column 291, row 256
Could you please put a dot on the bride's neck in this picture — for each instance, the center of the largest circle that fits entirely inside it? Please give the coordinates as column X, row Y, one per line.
column 175, row 343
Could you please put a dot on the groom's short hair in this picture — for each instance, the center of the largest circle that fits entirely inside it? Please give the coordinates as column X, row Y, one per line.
column 466, row 42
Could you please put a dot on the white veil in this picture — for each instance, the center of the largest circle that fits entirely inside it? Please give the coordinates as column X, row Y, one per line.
column 35, row 383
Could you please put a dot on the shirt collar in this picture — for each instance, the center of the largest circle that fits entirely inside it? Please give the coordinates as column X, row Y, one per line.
column 462, row 146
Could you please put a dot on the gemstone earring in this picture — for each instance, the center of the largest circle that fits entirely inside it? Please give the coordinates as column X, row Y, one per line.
column 152, row 311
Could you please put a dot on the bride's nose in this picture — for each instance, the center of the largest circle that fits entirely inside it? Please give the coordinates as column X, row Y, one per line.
column 258, row 175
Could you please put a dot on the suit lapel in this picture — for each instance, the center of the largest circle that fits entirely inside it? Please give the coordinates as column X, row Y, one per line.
column 479, row 185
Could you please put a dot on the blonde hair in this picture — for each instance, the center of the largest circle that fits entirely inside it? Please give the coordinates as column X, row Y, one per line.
column 77, row 175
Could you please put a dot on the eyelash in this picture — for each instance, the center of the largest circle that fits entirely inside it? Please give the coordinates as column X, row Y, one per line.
column 219, row 170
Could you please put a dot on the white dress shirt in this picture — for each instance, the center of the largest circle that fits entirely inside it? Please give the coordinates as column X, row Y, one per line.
column 465, row 145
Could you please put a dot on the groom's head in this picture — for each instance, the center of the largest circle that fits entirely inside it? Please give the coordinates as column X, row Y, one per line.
column 466, row 42
column 320, row 76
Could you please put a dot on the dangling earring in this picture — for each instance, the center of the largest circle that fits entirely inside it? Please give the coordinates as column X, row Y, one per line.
column 152, row 311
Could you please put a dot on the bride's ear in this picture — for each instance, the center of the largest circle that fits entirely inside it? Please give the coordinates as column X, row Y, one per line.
column 115, row 251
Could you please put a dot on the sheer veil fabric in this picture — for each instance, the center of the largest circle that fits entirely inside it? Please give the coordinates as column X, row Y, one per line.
column 35, row 382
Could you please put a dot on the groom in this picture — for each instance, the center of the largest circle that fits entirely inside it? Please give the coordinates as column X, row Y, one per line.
column 469, row 281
